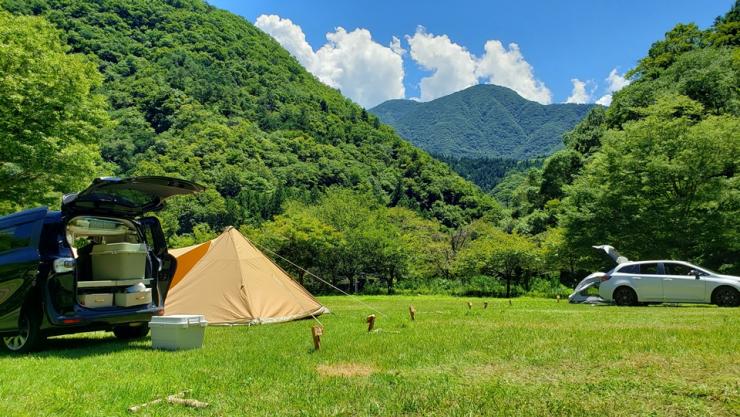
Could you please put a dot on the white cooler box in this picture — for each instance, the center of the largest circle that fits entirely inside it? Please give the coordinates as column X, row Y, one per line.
column 118, row 261
column 177, row 332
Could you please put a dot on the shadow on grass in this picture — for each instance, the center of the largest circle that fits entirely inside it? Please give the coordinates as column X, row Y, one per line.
column 652, row 305
column 679, row 305
column 82, row 346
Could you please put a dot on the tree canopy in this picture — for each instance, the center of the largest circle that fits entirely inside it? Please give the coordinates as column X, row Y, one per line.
column 51, row 117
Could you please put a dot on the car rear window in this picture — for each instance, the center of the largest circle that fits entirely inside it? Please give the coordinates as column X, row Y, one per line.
column 120, row 196
column 630, row 269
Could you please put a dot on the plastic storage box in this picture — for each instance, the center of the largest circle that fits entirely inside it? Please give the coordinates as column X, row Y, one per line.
column 96, row 300
column 178, row 332
column 128, row 299
column 118, row 261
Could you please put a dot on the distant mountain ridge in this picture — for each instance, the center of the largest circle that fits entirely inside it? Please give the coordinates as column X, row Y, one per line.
column 483, row 121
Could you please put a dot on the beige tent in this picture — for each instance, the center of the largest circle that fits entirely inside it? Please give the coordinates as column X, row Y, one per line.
column 230, row 281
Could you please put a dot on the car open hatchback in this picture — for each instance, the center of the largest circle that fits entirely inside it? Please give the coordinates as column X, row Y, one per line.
column 98, row 264
column 660, row 281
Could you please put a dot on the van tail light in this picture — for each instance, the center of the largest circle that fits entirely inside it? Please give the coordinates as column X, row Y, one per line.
column 62, row 265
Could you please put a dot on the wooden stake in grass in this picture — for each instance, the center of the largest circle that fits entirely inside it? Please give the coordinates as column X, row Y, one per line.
column 470, row 305
column 370, row 322
column 412, row 312
column 316, row 332
column 485, row 305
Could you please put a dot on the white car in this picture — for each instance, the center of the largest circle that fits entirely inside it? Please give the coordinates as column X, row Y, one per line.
column 662, row 281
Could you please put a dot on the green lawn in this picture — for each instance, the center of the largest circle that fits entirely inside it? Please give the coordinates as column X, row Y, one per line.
column 535, row 357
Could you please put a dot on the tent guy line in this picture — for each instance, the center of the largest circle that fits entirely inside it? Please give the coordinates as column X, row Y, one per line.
column 353, row 297
column 293, row 295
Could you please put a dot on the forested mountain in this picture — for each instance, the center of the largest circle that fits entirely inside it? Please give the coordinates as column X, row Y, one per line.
column 200, row 93
column 487, row 172
column 483, row 121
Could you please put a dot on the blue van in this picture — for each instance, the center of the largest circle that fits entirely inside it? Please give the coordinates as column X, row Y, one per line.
column 48, row 283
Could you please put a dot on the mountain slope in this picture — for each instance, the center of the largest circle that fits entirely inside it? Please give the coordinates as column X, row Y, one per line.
column 483, row 121
column 201, row 93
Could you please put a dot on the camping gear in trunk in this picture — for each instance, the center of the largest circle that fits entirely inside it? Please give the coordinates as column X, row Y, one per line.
column 118, row 261
column 96, row 300
column 128, row 299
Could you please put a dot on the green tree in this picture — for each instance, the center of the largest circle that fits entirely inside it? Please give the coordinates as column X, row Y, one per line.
column 426, row 243
column 682, row 38
column 510, row 257
column 301, row 237
column 666, row 186
column 50, row 115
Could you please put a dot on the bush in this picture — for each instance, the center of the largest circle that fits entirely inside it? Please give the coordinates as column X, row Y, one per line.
column 485, row 286
column 548, row 288
column 433, row 286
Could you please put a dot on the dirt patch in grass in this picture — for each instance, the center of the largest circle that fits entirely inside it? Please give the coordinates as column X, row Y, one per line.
column 345, row 369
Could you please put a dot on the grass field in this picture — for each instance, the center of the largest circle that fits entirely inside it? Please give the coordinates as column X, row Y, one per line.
column 535, row 357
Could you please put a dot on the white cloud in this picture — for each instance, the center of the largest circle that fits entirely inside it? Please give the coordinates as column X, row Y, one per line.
column 615, row 82
column 452, row 65
column 605, row 100
column 290, row 36
column 509, row 69
column 455, row 68
column 579, row 95
column 396, row 46
column 366, row 71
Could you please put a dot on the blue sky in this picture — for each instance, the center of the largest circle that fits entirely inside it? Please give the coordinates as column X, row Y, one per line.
column 558, row 41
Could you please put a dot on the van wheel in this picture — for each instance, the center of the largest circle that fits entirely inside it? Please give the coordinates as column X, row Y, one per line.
column 726, row 297
column 29, row 337
column 625, row 296
column 131, row 332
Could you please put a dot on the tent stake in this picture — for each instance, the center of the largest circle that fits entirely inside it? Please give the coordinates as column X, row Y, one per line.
column 370, row 322
column 412, row 312
column 316, row 332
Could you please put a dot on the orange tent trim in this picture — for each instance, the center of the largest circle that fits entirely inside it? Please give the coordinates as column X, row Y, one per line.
column 187, row 259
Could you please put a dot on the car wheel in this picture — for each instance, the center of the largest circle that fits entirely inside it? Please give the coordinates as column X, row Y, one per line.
column 131, row 332
column 29, row 336
column 625, row 296
column 726, row 297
